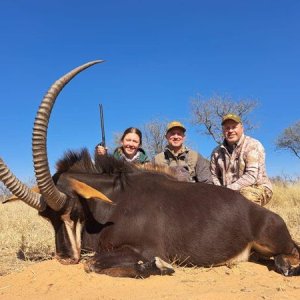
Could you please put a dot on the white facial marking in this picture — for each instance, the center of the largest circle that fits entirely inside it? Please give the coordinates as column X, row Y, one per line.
column 74, row 234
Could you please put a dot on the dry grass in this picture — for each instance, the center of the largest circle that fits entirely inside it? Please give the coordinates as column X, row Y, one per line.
column 26, row 237
column 286, row 203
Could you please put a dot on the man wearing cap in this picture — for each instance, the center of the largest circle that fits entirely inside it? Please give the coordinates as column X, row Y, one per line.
column 239, row 163
column 188, row 164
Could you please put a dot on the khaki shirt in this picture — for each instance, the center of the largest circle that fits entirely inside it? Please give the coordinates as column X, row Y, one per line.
column 245, row 166
column 189, row 165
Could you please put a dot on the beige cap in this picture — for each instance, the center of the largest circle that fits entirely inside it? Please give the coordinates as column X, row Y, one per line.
column 175, row 124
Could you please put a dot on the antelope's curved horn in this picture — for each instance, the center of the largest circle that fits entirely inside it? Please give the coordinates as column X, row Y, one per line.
column 53, row 197
column 19, row 189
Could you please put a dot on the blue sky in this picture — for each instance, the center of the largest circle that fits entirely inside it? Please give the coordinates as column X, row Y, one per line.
column 159, row 55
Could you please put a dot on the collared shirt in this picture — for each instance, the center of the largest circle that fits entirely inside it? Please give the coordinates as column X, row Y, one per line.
column 242, row 166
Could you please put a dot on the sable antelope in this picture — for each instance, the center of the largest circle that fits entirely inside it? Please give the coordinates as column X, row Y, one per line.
column 153, row 219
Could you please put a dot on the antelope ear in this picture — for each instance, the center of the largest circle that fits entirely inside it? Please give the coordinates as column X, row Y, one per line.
column 34, row 189
column 87, row 191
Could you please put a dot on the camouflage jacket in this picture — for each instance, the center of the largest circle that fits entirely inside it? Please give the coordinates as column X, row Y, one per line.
column 188, row 164
column 245, row 166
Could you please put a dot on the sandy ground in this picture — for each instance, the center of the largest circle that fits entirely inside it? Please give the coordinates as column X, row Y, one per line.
column 51, row 280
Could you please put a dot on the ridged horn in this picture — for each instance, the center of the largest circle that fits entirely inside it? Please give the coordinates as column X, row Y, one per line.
column 53, row 197
column 19, row 189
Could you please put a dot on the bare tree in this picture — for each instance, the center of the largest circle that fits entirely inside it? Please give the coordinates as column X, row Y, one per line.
column 208, row 113
column 289, row 139
column 3, row 189
column 154, row 136
column 117, row 139
column 5, row 192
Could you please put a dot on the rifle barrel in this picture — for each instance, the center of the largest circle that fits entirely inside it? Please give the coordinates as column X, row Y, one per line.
column 102, row 125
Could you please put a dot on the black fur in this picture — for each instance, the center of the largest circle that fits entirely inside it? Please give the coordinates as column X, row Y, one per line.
column 153, row 215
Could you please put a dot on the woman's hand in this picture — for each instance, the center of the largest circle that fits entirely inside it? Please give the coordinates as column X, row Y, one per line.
column 101, row 150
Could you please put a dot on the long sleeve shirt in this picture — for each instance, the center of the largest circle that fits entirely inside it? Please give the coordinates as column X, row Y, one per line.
column 189, row 164
column 243, row 166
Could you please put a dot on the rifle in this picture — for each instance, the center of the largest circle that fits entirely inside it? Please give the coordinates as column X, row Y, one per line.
column 103, row 144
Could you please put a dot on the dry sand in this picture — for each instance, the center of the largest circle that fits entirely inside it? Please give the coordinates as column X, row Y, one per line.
column 51, row 280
